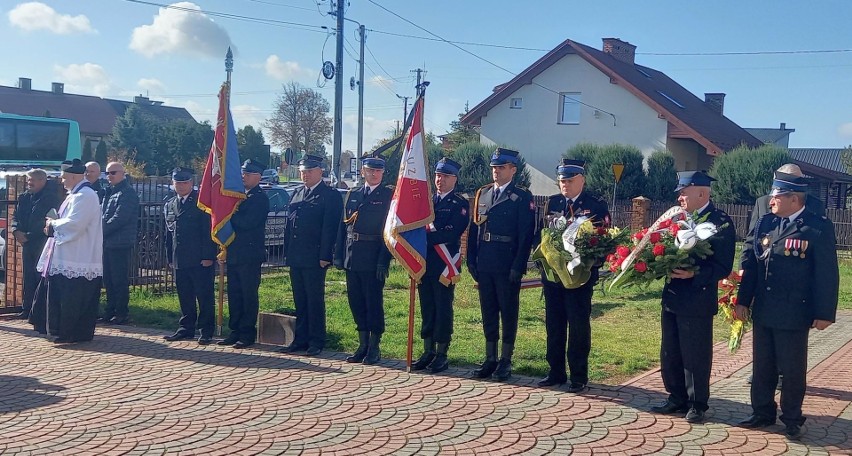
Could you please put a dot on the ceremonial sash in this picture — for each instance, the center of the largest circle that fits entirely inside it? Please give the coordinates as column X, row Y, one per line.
column 452, row 263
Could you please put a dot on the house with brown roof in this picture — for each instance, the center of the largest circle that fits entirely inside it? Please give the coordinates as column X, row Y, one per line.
column 95, row 115
column 576, row 94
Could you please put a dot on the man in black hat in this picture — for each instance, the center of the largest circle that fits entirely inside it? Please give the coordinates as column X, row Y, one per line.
column 28, row 229
column 498, row 249
column 120, row 208
column 443, row 262
column 571, row 308
column 309, row 237
column 361, row 251
column 790, row 283
column 245, row 256
column 72, row 262
column 690, row 300
column 191, row 252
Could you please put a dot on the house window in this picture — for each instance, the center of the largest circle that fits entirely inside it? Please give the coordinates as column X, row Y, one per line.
column 516, row 103
column 569, row 110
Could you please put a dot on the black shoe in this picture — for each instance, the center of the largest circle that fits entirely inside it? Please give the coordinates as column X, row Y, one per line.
column 669, row 408
column 439, row 364
column 118, row 320
column 485, row 370
column 179, row 336
column 313, row 351
column 293, row 348
column 227, row 341
column 695, row 416
column 551, row 381
column 205, row 340
column 793, row 432
column 503, row 371
column 23, row 315
column 104, row 320
column 241, row 344
column 756, row 421
column 576, row 387
column 424, row 361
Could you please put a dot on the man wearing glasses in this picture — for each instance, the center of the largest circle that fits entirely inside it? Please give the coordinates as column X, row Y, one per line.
column 120, row 209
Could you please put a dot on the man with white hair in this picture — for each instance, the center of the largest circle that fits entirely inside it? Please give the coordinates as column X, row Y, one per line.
column 93, row 175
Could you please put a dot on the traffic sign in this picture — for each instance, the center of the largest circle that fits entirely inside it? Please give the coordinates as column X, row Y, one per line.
column 617, row 169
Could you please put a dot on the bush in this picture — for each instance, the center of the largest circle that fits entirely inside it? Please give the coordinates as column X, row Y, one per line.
column 475, row 160
column 743, row 175
column 662, row 177
column 599, row 161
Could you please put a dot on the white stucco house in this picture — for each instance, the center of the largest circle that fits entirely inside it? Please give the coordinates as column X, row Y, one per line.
column 576, row 94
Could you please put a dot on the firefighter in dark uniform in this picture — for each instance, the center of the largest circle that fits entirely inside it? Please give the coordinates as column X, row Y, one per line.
column 571, row 309
column 438, row 283
column 498, row 249
column 690, row 300
column 309, row 237
column 790, row 283
column 191, row 252
column 361, row 251
column 245, row 255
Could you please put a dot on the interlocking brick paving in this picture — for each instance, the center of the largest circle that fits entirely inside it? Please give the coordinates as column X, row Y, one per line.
column 130, row 393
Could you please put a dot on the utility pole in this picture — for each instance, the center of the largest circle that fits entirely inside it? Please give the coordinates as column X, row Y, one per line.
column 363, row 35
column 338, row 95
column 404, row 106
column 420, row 72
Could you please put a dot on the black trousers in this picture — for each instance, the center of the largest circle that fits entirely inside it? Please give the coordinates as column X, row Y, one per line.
column 72, row 307
column 686, row 356
column 196, row 284
column 784, row 351
column 499, row 301
column 117, row 281
column 364, row 291
column 436, row 309
column 309, row 298
column 568, row 318
column 30, row 254
column 243, row 303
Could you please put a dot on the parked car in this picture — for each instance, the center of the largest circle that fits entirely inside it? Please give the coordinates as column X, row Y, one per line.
column 270, row 176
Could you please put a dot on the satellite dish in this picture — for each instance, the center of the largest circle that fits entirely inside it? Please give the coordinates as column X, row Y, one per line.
column 328, row 70
column 352, row 83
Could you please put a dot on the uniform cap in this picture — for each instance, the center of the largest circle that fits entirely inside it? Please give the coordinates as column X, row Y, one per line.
column 253, row 167
column 447, row 166
column 692, row 178
column 503, row 156
column 569, row 168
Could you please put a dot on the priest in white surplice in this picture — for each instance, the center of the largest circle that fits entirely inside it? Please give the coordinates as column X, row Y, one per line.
column 72, row 260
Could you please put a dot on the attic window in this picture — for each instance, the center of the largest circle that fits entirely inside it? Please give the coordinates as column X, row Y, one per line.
column 569, row 108
column 644, row 73
column 672, row 100
column 516, row 103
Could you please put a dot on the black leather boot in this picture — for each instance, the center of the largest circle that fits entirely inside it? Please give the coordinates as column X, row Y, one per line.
column 440, row 363
column 374, row 354
column 361, row 352
column 504, row 367
column 490, row 363
column 427, row 356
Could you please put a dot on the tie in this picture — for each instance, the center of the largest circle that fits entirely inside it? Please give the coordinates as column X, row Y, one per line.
column 366, row 191
column 307, row 193
column 496, row 195
column 784, row 222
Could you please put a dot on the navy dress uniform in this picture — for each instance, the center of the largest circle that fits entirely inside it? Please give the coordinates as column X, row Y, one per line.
column 498, row 248
column 360, row 250
column 686, row 352
column 245, row 255
column 436, row 289
column 188, row 244
column 790, row 280
column 309, row 238
column 568, row 311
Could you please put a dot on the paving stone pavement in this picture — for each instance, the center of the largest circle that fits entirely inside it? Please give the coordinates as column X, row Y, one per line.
column 130, row 393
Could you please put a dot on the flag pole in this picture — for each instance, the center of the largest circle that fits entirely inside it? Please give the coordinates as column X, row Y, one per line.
column 409, row 348
column 223, row 251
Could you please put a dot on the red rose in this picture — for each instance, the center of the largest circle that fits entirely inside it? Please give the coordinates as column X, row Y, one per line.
column 665, row 224
column 613, row 267
column 619, row 261
column 674, row 229
column 622, row 251
column 639, row 235
column 610, row 258
column 602, row 231
column 659, row 249
column 640, row 266
column 593, row 241
column 655, row 237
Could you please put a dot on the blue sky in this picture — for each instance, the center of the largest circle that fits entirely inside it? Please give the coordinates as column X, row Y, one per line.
column 121, row 48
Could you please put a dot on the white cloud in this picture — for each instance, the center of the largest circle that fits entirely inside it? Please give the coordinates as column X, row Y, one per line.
column 181, row 29
column 154, row 86
column 845, row 130
column 284, row 70
column 34, row 16
column 248, row 115
column 382, row 81
column 374, row 130
column 86, row 78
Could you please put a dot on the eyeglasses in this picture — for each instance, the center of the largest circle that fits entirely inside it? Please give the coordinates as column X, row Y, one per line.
column 113, row 173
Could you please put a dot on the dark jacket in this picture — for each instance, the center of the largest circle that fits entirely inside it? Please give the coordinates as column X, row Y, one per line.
column 30, row 212
column 188, row 239
column 120, row 209
column 586, row 205
column 364, row 219
column 699, row 296
column 788, row 284
column 452, row 217
column 249, row 224
column 501, row 235
column 312, row 226
column 96, row 186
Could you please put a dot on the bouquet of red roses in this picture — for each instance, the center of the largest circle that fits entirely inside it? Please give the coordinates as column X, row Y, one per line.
column 727, row 303
column 674, row 241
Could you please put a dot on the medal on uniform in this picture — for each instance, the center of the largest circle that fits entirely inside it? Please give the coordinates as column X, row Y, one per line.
column 804, row 247
column 765, row 241
column 787, row 245
column 796, row 245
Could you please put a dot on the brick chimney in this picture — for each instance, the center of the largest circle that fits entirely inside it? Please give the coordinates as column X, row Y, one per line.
column 57, row 87
column 716, row 102
column 621, row 50
column 25, row 84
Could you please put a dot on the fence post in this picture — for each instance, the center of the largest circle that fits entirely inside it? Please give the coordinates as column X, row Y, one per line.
column 639, row 216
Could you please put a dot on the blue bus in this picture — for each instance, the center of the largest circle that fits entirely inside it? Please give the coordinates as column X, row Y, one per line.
column 37, row 142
